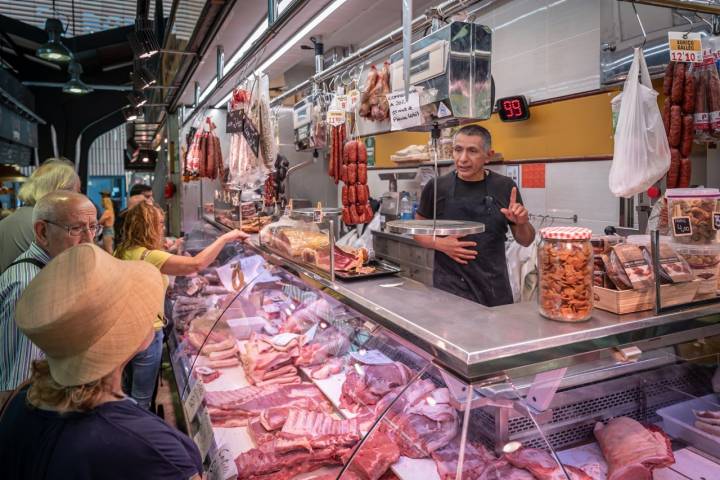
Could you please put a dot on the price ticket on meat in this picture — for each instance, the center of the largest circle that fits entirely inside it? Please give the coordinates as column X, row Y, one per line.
column 404, row 112
column 685, row 47
column 194, row 399
column 222, row 465
column 204, row 437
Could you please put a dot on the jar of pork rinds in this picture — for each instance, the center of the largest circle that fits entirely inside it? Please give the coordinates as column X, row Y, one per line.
column 565, row 263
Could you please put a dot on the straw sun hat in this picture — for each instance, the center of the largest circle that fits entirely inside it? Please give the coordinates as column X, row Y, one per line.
column 89, row 312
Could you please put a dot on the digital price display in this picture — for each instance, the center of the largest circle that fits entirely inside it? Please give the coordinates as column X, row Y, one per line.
column 513, row 109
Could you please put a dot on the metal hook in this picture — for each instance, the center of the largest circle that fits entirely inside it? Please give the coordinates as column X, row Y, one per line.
column 704, row 20
column 687, row 19
column 642, row 27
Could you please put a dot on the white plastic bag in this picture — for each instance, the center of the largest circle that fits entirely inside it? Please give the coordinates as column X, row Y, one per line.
column 642, row 153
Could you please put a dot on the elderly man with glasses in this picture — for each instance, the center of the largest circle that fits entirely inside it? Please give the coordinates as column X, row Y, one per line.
column 61, row 219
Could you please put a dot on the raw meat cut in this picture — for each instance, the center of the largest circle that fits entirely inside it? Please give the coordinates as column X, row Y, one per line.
column 632, row 450
column 267, row 363
column 265, row 460
column 304, row 318
column 373, row 459
column 475, row 461
column 328, row 343
column 330, row 367
column 259, row 433
column 313, row 430
column 274, row 418
column 543, row 466
column 236, row 407
column 367, row 384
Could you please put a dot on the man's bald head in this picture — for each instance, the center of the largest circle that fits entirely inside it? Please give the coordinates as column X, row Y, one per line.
column 60, row 213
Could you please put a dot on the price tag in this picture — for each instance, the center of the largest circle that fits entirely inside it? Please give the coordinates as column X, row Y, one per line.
column 371, row 357
column 222, row 465
column 404, row 113
column 194, row 399
column 685, row 47
column 204, row 436
column 234, row 121
column 716, row 220
column 336, row 116
column 251, row 136
column 341, row 102
column 682, row 226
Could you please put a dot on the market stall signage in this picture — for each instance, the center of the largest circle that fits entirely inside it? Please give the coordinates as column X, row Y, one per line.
column 335, row 116
column 682, row 226
column 404, row 112
column 513, row 109
column 685, row 47
column 251, row 135
column 222, row 465
column 234, row 121
column 194, row 399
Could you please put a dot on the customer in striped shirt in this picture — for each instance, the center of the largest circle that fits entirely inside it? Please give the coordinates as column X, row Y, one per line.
column 61, row 219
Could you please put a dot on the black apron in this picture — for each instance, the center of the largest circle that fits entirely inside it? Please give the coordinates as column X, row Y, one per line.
column 484, row 280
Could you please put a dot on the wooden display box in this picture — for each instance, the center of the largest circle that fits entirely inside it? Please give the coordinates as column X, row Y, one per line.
column 630, row 301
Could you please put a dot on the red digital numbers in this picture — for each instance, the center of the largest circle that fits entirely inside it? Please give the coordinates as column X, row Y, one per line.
column 513, row 108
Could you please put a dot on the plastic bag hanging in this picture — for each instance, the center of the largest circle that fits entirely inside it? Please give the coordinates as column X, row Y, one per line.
column 642, row 155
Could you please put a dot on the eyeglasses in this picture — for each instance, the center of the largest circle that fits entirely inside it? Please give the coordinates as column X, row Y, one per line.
column 76, row 230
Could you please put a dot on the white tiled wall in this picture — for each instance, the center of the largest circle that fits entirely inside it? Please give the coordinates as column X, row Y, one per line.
column 545, row 48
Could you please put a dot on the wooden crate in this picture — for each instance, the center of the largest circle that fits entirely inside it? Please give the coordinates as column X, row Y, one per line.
column 629, row 301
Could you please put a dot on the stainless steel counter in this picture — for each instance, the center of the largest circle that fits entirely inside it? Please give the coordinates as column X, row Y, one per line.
column 476, row 341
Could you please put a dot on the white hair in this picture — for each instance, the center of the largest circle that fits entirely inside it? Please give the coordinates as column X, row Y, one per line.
column 56, row 205
column 54, row 174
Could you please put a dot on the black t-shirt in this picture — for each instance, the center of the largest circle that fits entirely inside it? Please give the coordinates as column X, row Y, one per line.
column 494, row 185
column 117, row 440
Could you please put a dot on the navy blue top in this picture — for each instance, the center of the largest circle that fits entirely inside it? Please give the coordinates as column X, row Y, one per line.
column 117, row 440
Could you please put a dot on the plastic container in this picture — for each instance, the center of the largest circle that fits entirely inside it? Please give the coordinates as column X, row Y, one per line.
column 405, row 207
column 565, row 262
column 690, row 212
column 704, row 262
column 679, row 422
column 243, row 328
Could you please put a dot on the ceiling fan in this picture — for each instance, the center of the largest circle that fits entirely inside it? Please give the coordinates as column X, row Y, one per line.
column 75, row 85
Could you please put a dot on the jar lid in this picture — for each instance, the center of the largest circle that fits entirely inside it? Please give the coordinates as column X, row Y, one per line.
column 566, row 233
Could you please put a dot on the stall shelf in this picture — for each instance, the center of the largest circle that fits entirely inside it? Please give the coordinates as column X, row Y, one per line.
column 286, row 372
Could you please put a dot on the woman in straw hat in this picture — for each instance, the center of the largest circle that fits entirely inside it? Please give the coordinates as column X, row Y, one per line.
column 143, row 236
column 90, row 314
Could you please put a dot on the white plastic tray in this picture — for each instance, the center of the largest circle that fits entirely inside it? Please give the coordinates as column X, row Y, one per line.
column 679, row 422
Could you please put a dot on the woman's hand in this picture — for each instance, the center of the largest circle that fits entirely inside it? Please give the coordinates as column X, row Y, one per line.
column 234, row 235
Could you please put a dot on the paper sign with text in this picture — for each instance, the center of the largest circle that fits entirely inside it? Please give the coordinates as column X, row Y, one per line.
column 404, row 113
column 685, row 47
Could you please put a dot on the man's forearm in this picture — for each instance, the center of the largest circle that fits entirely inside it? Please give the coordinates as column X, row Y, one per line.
column 524, row 234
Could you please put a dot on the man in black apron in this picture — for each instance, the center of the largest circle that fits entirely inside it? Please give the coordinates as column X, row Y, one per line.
column 474, row 266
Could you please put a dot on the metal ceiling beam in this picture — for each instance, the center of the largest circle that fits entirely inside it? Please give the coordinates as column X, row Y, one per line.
column 698, row 6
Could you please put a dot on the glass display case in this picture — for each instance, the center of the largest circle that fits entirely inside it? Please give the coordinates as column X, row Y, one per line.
column 279, row 378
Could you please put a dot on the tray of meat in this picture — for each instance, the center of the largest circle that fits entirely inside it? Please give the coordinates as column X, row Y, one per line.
column 373, row 268
column 697, row 422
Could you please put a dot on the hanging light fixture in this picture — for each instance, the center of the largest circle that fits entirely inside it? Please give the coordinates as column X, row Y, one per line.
column 130, row 113
column 142, row 40
column 75, row 85
column 54, row 50
column 142, row 78
column 137, row 98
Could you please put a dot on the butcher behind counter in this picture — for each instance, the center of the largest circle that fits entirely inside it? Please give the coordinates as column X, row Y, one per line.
column 474, row 266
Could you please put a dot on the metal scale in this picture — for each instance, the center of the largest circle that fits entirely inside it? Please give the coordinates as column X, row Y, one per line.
column 450, row 69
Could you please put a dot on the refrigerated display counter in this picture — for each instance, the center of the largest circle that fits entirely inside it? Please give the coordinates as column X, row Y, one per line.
column 284, row 373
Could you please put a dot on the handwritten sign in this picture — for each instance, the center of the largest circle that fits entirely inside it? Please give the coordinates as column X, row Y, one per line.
column 716, row 220
column 222, row 465
column 234, row 121
column 194, row 399
column 336, row 116
column 682, row 226
column 251, row 135
column 685, row 47
column 404, row 113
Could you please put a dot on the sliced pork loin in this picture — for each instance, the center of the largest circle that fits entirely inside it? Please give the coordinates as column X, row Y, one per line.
column 543, row 466
column 632, row 450
column 367, row 384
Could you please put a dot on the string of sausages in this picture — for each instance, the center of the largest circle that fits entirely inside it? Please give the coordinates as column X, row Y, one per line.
column 679, row 87
column 337, row 140
column 355, row 193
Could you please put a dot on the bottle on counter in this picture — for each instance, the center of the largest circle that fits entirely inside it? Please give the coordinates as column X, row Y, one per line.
column 565, row 264
column 405, row 207
column 414, row 204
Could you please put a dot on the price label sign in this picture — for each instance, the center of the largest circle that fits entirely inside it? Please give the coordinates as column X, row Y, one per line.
column 194, row 399
column 204, row 436
column 716, row 220
column 341, row 102
column 404, row 113
column 222, row 465
column 685, row 47
column 234, row 121
column 336, row 116
column 251, row 136
column 682, row 226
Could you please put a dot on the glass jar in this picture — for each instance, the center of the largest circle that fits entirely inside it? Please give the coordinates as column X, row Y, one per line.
column 565, row 264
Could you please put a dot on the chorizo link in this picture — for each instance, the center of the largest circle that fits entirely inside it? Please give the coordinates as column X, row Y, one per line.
column 369, row 212
column 352, row 194
column 674, row 172
column 667, row 81
column 674, row 136
column 362, row 173
column 688, row 106
column 352, row 173
column 685, row 172
column 345, row 197
column 362, row 152
column 687, row 135
column 678, row 84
